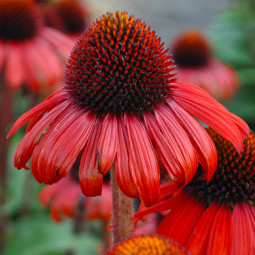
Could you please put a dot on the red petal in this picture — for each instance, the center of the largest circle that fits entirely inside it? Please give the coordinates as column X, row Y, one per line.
column 58, row 40
column 200, row 104
column 243, row 236
column 180, row 221
column 179, row 144
column 26, row 146
column 49, row 103
column 91, row 179
column 198, row 239
column 58, row 149
column 51, row 65
column 202, row 142
column 107, row 144
column 220, row 240
column 2, row 53
column 142, row 160
column 47, row 193
column 122, row 169
column 175, row 201
column 14, row 69
column 100, row 207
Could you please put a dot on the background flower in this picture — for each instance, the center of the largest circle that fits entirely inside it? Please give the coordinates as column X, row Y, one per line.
column 197, row 64
column 30, row 54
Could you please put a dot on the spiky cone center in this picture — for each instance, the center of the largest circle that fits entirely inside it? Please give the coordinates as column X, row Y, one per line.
column 19, row 20
column 72, row 15
column 191, row 49
column 118, row 65
column 234, row 179
column 146, row 245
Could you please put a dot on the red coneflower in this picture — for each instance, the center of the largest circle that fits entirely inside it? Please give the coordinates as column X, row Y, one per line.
column 29, row 52
column 216, row 217
column 68, row 16
column 120, row 103
column 196, row 64
column 65, row 198
column 143, row 245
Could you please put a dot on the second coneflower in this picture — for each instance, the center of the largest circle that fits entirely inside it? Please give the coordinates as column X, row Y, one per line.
column 216, row 217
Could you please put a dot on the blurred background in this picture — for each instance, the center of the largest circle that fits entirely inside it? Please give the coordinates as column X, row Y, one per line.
column 230, row 27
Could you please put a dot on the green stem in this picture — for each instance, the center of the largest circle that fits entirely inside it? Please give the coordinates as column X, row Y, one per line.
column 122, row 216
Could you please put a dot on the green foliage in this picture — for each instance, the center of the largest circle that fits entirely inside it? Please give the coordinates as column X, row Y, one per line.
column 38, row 235
column 232, row 40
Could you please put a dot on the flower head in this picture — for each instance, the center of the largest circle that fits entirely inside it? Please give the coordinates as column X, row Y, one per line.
column 196, row 64
column 68, row 16
column 119, row 65
column 215, row 217
column 121, row 106
column 28, row 51
column 145, row 245
column 18, row 20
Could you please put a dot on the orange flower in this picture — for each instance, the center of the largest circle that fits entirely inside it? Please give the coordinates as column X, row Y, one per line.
column 146, row 245
column 196, row 64
column 215, row 217
column 119, row 105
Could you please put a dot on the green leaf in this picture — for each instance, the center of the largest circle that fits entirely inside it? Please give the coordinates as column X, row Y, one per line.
column 38, row 235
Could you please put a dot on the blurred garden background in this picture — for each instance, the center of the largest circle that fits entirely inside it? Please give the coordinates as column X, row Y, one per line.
column 230, row 27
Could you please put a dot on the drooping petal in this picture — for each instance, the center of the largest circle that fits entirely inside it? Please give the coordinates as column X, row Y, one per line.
column 26, row 146
column 243, row 237
column 14, row 69
column 122, row 170
column 32, row 66
column 100, row 208
column 49, row 103
column 91, row 179
column 178, row 142
column 202, row 142
column 250, row 210
column 180, row 221
column 200, row 104
column 58, row 149
column 177, row 200
column 198, row 239
column 2, row 53
column 107, row 144
column 62, row 43
column 142, row 160
column 165, row 151
column 167, row 189
column 53, row 68
column 220, row 240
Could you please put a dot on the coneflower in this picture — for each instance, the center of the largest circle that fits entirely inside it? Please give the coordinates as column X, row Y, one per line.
column 197, row 64
column 120, row 105
column 215, row 217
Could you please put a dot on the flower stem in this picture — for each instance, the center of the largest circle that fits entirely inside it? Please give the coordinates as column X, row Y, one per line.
column 5, row 117
column 106, row 236
column 122, row 216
